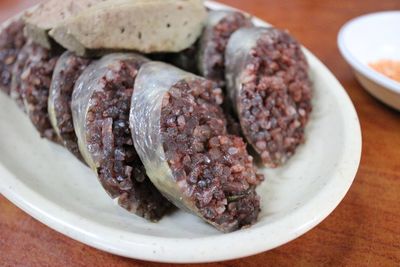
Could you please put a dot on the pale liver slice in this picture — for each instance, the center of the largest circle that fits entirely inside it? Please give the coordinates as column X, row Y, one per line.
column 142, row 25
column 50, row 14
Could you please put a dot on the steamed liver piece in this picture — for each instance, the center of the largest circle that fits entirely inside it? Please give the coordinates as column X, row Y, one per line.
column 146, row 26
column 51, row 13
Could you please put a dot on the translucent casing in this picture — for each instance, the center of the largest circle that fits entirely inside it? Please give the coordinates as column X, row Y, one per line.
column 89, row 82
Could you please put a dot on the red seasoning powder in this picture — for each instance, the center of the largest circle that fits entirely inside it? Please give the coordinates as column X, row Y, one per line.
column 389, row 68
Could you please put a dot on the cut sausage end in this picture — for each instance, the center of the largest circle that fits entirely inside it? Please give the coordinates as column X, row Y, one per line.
column 11, row 42
column 100, row 105
column 179, row 131
column 220, row 26
column 34, row 87
column 67, row 70
column 211, row 168
column 271, row 91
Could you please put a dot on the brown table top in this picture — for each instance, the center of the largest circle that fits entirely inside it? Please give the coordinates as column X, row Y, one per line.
column 363, row 230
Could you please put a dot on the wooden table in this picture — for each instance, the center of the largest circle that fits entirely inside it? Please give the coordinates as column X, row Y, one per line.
column 365, row 228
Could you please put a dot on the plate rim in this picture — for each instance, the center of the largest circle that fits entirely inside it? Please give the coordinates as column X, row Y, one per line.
column 169, row 250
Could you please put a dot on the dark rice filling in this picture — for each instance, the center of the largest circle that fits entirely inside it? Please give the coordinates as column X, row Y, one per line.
column 11, row 41
column 35, row 83
column 121, row 171
column 73, row 68
column 18, row 68
column 212, row 168
column 275, row 100
column 215, row 51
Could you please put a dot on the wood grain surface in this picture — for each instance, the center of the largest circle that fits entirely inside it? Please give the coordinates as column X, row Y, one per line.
column 364, row 230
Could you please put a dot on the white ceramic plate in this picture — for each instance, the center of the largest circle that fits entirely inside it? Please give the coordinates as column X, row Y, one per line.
column 47, row 182
column 370, row 38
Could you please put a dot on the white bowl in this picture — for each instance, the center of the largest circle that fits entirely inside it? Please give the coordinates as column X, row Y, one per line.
column 48, row 183
column 370, row 38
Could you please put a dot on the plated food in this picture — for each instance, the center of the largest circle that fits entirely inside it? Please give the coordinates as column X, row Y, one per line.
column 155, row 135
column 47, row 182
